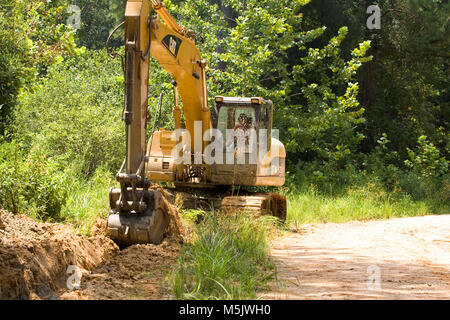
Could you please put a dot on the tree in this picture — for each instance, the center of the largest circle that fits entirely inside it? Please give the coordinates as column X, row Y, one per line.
column 98, row 18
column 405, row 87
column 264, row 52
column 33, row 36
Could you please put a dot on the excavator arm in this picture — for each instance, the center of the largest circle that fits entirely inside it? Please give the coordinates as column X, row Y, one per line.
column 174, row 48
column 138, row 214
column 137, row 50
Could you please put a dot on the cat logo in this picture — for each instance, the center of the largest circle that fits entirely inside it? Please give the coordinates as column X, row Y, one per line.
column 172, row 44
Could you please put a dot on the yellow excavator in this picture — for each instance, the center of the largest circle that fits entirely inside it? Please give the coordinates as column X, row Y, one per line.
column 195, row 159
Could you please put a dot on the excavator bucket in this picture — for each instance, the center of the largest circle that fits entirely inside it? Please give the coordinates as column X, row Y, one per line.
column 138, row 215
column 146, row 225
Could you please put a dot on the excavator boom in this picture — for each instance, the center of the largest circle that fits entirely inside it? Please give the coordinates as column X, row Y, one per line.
column 138, row 215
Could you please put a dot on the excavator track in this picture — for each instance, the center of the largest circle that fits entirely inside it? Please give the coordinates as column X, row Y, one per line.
column 225, row 200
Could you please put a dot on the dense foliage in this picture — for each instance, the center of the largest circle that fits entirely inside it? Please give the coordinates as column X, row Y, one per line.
column 353, row 105
column 74, row 113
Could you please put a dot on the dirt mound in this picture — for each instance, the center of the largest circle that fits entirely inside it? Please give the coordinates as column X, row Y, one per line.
column 99, row 228
column 176, row 230
column 137, row 272
column 34, row 260
column 34, row 257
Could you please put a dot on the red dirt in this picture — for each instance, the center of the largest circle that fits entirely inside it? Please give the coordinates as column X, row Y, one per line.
column 35, row 257
column 335, row 261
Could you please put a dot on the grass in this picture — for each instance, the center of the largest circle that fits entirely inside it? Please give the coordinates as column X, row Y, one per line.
column 363, row 203
column 88, row 200
column 228, row 259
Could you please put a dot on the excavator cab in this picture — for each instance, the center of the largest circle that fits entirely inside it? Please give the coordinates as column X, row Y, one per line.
column 260, row 156
column 245, row 114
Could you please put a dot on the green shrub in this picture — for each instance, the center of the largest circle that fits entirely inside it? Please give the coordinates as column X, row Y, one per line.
column 75, row 113
column 11, row 53
column 88, row 200
column 31, row 183
column 323, row 177
column 426, row 160
column 425, row 187
column 44, row 189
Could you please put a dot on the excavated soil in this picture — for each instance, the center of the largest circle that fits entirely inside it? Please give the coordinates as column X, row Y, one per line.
column 406, row 258
column 34, row 257
column 137, row 272
column 34, row 260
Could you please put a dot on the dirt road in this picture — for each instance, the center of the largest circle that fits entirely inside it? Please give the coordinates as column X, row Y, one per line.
column 407, row 258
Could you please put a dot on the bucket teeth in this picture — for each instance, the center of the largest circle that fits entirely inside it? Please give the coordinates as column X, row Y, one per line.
column 128, row 228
